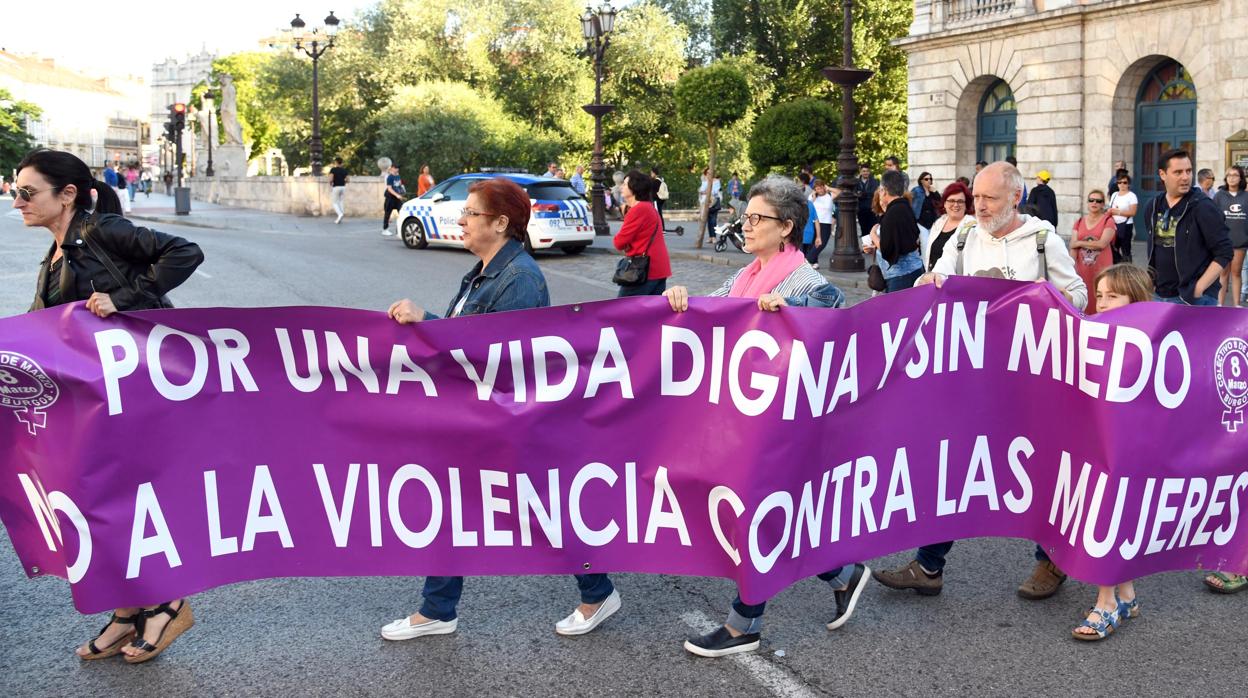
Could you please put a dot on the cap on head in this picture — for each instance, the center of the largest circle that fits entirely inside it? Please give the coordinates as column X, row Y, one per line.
column 1044, row 176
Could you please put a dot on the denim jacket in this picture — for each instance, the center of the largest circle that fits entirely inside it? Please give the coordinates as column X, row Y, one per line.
column 825, row 296
column 513, row 281
column 908, row 264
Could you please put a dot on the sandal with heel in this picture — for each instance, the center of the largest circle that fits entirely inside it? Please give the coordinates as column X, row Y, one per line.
column 115, row 648
column 180, row 620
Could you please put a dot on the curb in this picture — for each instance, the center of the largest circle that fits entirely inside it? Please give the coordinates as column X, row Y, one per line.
column 188, row 222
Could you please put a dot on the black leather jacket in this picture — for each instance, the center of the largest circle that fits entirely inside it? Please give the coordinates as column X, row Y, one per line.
column 152, row 262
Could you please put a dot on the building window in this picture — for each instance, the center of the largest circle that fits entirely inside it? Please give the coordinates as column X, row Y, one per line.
column 1165, row 118
column 998, row 123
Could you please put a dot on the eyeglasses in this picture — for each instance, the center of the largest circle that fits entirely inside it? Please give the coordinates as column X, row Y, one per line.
column 25, row 193
column 955, row 202
column 754, row 218
column 1095, row 201
column 469, row 213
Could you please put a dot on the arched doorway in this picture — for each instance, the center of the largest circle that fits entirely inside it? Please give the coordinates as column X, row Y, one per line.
column 998, row 123
column 1165, row 118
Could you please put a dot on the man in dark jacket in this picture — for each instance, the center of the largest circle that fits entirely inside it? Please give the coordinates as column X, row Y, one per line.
column 1188, row 242
column 1043, row 198
column 865, row 188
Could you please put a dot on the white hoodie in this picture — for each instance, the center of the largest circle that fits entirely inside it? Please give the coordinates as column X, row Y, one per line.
column 1015, row 255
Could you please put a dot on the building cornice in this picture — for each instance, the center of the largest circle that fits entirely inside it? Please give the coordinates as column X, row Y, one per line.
column 1012, row 26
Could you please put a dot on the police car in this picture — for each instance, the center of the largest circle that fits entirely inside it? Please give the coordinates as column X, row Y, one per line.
column 559, row 218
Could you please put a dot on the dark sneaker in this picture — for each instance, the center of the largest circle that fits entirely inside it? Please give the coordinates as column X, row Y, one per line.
column 912, row 576
column 847, row 599
column 721, row 643
column 1044, row 581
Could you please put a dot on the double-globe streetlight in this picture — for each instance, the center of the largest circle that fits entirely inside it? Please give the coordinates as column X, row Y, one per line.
column 596, row 25
column 315, row 48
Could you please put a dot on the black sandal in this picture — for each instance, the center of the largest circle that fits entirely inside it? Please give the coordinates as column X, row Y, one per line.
column 180, row 621
column 115, row 648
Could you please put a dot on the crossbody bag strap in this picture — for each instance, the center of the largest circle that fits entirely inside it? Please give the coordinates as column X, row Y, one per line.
column 962, row 234
column 105, row 259
column 652, row 236
column 1044, row 262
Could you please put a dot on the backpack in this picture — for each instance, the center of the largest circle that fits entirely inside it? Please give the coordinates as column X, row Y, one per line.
column 662, row 193
column 1043, row 235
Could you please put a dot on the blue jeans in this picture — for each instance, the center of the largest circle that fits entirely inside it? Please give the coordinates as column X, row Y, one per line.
column 932, row 557
column 1210, row 298
column 653, row 287
column 748, row 617
column 442, row 593
column 903, row 282
column 712, row 220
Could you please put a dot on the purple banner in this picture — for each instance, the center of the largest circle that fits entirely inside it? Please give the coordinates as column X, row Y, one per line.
column 152, row 455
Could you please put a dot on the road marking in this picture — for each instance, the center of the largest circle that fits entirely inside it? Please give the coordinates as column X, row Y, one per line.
column 772, row 678
column 577, row 277
column 204, row 274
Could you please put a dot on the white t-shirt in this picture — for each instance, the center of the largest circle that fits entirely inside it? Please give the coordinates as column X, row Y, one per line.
column 1119, row 200
column 823, row 207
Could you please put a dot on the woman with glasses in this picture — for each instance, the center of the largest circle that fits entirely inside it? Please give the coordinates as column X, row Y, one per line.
column 99, row 257
column 775, row 216
column 495, row 221
column 1232, row 200
column 957, row 203
column 1091, row 242
column 1122, row 206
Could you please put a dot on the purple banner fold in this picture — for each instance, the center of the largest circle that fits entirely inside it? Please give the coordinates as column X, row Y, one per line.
column 155, row 454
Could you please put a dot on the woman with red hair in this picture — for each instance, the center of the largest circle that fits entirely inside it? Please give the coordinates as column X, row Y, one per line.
column 495, row 220
column 957, row 201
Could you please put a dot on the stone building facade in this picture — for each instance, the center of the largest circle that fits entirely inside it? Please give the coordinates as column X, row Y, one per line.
column 1072, row 86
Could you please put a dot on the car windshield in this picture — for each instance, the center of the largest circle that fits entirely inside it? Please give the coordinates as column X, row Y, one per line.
column 552, row 191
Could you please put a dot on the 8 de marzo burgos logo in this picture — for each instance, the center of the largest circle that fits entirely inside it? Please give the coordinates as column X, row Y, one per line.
column 1230, row 372
column 26, row 389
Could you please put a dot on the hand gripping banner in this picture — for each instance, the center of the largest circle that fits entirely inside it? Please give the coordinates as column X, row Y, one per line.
column 155, row 454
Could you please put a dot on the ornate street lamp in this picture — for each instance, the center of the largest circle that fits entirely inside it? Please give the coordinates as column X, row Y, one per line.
column 206, row 102
column 847, row 256
column 597, row 26
column 315, row 49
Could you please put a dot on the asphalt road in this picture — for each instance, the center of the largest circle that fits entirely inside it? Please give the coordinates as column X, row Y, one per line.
column 320, row 636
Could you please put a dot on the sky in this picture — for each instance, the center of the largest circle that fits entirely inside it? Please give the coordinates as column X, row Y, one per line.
column 104, row 38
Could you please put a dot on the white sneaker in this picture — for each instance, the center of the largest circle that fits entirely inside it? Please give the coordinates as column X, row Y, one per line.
column 402, row 629
column 339, row 220
column 386, row 233
column 577, row 624
column 814, row 265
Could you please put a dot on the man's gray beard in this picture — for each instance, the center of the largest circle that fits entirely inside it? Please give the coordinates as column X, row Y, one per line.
column 992, row 225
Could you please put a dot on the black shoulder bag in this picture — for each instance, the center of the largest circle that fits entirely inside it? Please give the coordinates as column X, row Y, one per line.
column 634, row 270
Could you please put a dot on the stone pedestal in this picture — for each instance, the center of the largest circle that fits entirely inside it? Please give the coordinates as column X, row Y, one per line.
column 228, row 160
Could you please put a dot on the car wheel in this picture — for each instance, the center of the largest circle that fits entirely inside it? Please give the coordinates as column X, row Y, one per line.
column 414, row 234
column 574, row 250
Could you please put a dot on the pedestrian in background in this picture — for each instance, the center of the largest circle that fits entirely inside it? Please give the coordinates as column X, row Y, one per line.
column 898, row 236
column 709, row 193
column 395, row 193
column 495, row 222
column 865, row 186
column 1205, row 180
column 338, row 188
column 168, row 177
column 735, row 188
column 1116, row 287
column 99, row 257
column 1188, row 244
column 132, row 181
column 957, row 200
column 1122, row 206
column 660, row 193
column 1232, row 201
column 578, row 180
column 892, row 162
column 1043, row 198
column 825, row 218
column 1120, row 167
column 425, row 181
column 642, row 234
column 1091, row 244
column 145, row 183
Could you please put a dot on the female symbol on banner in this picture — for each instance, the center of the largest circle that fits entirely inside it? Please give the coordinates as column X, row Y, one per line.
column 26, row 389
column 1230, row 366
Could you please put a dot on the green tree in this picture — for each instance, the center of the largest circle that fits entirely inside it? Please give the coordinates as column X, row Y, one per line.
column 793, row 38
column 793, row 134
column 712, row 98
column 694, row 18
column 255, row 114
column 15, row 142
column 880, row 124
column 645, row 59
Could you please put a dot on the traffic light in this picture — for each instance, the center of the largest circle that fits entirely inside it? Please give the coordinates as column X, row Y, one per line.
column 170, row 133
column 178, row 112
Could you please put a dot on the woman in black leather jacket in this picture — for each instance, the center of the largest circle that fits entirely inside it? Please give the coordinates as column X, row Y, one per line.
column 97, row 255
column 100, row 257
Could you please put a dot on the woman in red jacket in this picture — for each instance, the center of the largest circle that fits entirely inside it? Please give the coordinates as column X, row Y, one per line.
column 642, row 233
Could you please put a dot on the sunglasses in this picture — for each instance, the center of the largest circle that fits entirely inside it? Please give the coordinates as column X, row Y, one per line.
column 25, row 193
column 1095, row 201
